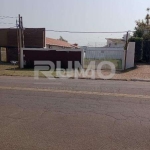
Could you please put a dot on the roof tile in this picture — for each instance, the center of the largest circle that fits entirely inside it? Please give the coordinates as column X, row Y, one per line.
column 54, row 42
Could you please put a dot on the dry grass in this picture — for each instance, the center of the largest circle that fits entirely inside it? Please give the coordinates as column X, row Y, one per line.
column 11, row 70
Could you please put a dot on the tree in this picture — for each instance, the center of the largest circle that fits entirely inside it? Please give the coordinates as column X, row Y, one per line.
column 142, row 30
column 143, row 27
column 147, row 17
column 142, row 39
column 62, row 39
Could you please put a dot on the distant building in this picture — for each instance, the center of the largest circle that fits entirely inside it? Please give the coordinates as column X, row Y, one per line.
column 116, row 43
column 33, row 38
column 75, row 46
column 56, row 44
column 59, row 44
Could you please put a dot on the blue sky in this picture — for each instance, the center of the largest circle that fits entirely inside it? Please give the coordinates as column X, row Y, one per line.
column 77, row 15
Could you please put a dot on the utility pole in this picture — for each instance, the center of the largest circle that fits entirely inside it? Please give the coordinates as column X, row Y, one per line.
column 22, row 32
column 20, row 40
column 126, row 48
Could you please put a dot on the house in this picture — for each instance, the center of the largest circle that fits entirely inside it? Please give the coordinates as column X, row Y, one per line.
column 117, row 43
column 57, row 44
column 75, row 46
column 33, row 38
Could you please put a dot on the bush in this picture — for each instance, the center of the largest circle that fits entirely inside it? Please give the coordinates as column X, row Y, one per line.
column 146, row 51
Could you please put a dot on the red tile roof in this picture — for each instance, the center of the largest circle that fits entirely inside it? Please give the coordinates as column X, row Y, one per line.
column 54, row 42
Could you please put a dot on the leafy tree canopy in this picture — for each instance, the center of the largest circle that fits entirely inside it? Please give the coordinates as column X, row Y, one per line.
column 142, row 29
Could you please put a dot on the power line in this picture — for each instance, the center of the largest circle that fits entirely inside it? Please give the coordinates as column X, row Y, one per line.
column 5, row 23
column 86, row 32
column 4, row 17
column 81, row 32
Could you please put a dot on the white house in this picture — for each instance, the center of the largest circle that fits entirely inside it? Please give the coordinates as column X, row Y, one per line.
column 117, row 43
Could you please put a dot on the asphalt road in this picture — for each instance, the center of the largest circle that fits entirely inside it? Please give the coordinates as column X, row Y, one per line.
column 74, row 114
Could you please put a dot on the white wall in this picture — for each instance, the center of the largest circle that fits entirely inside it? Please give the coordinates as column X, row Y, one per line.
column 105, row 48
column 104, row 54
column 130, row 55
column 113, row 53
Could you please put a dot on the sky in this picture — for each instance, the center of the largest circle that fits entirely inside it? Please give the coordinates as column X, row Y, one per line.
column 76, row 15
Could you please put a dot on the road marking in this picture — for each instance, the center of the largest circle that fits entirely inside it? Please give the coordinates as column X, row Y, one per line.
column 76, row 92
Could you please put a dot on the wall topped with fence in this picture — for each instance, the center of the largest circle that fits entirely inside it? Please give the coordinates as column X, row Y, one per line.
column 114, row 55
column 122, row 59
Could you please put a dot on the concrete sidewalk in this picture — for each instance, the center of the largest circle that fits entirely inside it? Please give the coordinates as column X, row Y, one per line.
column 140, row 73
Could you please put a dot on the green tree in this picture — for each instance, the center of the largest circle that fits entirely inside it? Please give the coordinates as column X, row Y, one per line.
column 142, row 29
column 141, row 37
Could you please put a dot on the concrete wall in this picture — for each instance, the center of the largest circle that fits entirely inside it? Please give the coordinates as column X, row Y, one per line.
column 104, row 48
column 130, row 55
column 104, row 53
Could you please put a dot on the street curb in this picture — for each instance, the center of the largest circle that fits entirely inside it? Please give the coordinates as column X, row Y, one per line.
column 142, row 80
column 82, row 78
column 101, row 79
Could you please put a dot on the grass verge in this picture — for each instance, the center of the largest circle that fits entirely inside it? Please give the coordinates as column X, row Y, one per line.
column 116, row 62
column 11, row 70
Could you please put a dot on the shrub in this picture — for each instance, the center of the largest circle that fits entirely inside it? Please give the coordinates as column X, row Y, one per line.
column 146, row 51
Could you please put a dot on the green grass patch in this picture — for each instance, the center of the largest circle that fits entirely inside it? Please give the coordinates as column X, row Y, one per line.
column 11, row 70
column 116, row 62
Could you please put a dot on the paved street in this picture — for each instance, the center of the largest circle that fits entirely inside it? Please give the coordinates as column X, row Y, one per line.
column 74, row 114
